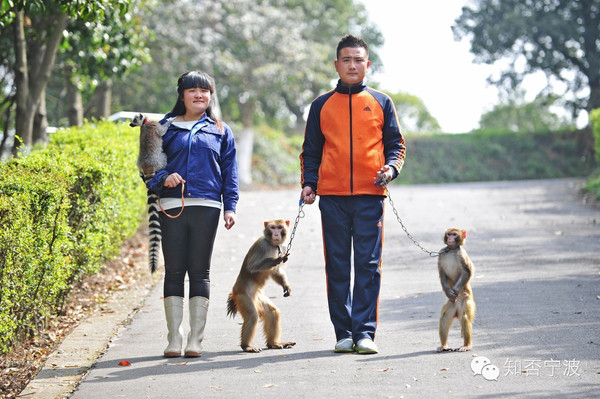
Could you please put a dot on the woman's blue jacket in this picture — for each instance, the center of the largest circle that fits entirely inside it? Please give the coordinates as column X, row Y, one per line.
column 205, row 157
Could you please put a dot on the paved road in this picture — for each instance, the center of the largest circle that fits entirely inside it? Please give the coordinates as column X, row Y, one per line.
column 536, row 250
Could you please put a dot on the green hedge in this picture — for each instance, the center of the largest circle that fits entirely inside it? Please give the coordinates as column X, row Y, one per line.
column 496, row 156
column 275, row 157
column 63, row 211
column 595, row 120
column 438, row 158
column 593, row 185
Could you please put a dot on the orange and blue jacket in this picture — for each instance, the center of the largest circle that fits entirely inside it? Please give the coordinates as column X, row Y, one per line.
column 351, row 132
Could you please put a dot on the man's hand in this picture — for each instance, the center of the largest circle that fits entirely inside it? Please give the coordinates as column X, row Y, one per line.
column 308, row 195
column 384, row 175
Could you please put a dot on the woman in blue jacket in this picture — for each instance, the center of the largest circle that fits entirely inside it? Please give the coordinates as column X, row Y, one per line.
column 202, row 177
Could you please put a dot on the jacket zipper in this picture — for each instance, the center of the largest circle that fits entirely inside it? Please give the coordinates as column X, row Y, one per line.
column 351, row 142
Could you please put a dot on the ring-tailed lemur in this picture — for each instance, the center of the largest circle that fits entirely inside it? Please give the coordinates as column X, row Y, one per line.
column 150, row 160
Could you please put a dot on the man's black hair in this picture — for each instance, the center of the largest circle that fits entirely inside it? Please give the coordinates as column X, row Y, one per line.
column 351, row 41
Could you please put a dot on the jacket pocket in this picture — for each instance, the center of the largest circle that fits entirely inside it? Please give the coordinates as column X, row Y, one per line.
column 208, row 140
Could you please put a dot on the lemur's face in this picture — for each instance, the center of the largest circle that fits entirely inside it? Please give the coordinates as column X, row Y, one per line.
column 138, row 120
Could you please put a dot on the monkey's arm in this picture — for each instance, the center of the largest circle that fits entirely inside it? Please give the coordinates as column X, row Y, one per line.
column 281, row 278
column 265, row 263
column 262, row 257
column 465, row 275
column 450, row 293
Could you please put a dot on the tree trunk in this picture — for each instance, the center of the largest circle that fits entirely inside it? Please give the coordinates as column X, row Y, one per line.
column 40, row 122
column 5, row 129
column 594, row 101
column 216, row 106
column 74, row 103
column 102, row 99
column 23, row 120
column 245, row 144
column 29, row 92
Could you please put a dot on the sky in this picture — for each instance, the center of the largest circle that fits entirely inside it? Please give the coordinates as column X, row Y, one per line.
column 421, row 57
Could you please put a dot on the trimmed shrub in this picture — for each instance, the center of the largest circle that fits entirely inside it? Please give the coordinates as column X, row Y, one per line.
column 595, row 120
column 593, row 185
column 440, row 158
column 446, row 158
column 63, row 211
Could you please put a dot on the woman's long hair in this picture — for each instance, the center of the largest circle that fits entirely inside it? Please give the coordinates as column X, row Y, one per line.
column 193, row 79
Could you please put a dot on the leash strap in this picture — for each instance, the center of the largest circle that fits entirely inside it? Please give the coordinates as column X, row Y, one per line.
column 182, row 204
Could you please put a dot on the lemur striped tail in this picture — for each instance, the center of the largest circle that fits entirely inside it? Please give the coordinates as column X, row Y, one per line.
column 154, row 231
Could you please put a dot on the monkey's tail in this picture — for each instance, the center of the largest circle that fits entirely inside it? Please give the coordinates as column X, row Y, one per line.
column 231, row 308
column 155, row 233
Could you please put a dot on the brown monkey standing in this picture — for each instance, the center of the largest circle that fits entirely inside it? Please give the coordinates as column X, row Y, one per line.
column 262, row 261
column 456, row 270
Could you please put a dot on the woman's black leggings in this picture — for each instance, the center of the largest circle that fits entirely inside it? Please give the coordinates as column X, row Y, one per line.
column 187, row 244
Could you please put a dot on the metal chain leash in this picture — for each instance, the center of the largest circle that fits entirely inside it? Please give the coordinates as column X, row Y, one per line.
column 431, row 254
column 301, row 214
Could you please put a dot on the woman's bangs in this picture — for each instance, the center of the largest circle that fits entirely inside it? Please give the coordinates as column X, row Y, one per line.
column 194, row 80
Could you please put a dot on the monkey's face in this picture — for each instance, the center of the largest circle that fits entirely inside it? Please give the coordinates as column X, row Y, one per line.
column 454, row 237
column 276, row 231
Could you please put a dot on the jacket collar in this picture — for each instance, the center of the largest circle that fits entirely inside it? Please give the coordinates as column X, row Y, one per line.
column 345, row 89
column 202, row 118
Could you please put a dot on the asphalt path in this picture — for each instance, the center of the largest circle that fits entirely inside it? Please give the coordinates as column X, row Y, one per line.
column 536, row 250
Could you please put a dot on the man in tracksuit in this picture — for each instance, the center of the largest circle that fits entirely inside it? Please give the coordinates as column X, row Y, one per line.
column 352, row 145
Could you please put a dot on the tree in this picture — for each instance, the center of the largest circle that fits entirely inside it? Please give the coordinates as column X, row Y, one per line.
column 270, row 58
column 280, row 59
column 557, row 37
column 95, row 52
column 517, row 115
column 36, row 28
column 413, row 115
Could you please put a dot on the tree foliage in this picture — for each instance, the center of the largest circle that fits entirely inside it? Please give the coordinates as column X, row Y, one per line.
column 269, row 58
column 273, row 56
column 95, row 52
column 557, row 37
column 413, row 114
column 517, row 115
column 35, row 28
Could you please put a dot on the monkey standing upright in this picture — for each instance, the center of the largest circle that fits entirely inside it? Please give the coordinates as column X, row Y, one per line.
column 151, row 159
column 456, row 271
column 263, row 260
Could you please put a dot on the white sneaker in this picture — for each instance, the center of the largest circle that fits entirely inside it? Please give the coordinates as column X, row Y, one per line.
column 344, row 345
column 366, row 346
